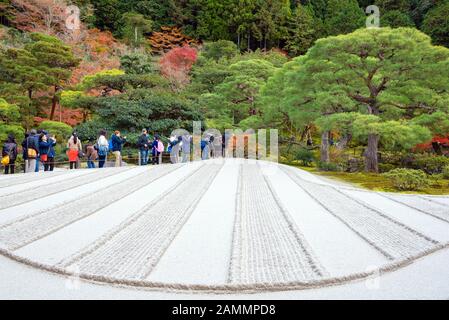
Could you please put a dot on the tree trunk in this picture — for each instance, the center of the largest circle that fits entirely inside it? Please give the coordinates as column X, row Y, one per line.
column 325, row 147
column 54, row 103
column 372, row 161
column 344, row 142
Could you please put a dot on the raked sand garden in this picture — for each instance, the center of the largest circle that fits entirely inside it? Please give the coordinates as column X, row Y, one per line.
column 219, row 228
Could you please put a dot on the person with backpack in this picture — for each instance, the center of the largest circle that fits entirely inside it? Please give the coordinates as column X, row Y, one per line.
column 117, row 143
column 143, row 143
column 9, row 154
column 44, row 149
column 103, row 148
column 157, row 148
column 32, row 148
column 91, row 154
column 74, row 147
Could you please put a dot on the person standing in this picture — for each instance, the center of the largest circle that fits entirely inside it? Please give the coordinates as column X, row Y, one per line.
column 186, row 140
column 38, row 158
column 44, row 149
column 102, row 148
column 74, row 147
column 32, row 149
column 175, row 145
column 144, row 147
column 24, row 152
column 117, row 143
column 10, row 153
column 50, row 164
column 157, row 148
column 91, row 155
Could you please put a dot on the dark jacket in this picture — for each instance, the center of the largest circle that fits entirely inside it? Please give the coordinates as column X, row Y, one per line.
column 32, row 143
column 10, row 149
column 24, row 149
column 154, row 146
column 143, row 140
column 117, row 143
column 51, row 152
column 44, row 147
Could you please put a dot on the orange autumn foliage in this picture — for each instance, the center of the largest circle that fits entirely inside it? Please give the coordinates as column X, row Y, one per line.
column 169, row 38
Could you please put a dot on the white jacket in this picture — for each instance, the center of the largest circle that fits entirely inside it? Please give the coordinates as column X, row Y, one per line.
column 102, row 141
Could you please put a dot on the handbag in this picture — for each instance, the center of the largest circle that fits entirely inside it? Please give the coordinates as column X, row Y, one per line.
column 44, row 157
column 32, row 154
column 5, row 160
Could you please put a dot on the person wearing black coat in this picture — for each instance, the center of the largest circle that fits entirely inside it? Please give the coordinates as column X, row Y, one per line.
column 10, row 149
column 144, row 147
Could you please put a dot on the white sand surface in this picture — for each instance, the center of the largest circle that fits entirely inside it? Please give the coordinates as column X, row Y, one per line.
column 217, row 229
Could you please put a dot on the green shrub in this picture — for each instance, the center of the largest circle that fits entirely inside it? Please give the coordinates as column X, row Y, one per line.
column 430, row 164
column 408, row 179
column 386, row 167
column 445, row 172
column 328, row 166
column 305, row 156
column 61, row 130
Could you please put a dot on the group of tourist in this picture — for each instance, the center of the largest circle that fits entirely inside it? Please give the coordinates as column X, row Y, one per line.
column 38, row 150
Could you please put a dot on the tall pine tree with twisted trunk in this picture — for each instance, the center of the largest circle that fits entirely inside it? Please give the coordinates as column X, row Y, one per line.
column 393, row 76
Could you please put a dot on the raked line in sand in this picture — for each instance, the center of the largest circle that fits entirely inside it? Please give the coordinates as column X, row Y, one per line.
column 132, row 249
column 390, row 237
column 25, row 230
column 268, row 246
column 24, row 196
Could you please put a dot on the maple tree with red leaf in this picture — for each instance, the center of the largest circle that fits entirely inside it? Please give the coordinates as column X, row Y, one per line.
column 176, row 64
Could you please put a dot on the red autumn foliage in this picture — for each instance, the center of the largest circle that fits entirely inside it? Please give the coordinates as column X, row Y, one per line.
column 72, row 117
column 47, row 16
column 176, row 64
column 444, row 141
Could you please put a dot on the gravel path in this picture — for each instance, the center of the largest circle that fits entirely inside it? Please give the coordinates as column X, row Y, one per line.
column 24, row 196
column 268, row 246
column 133, row 249
column 393, row 239
column 20, row 232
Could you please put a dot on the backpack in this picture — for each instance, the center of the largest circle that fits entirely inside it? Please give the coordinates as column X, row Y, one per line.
column 103, row 150
column 111, row 145
column 160, row 147
column 7, row 159
column 203, row 145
